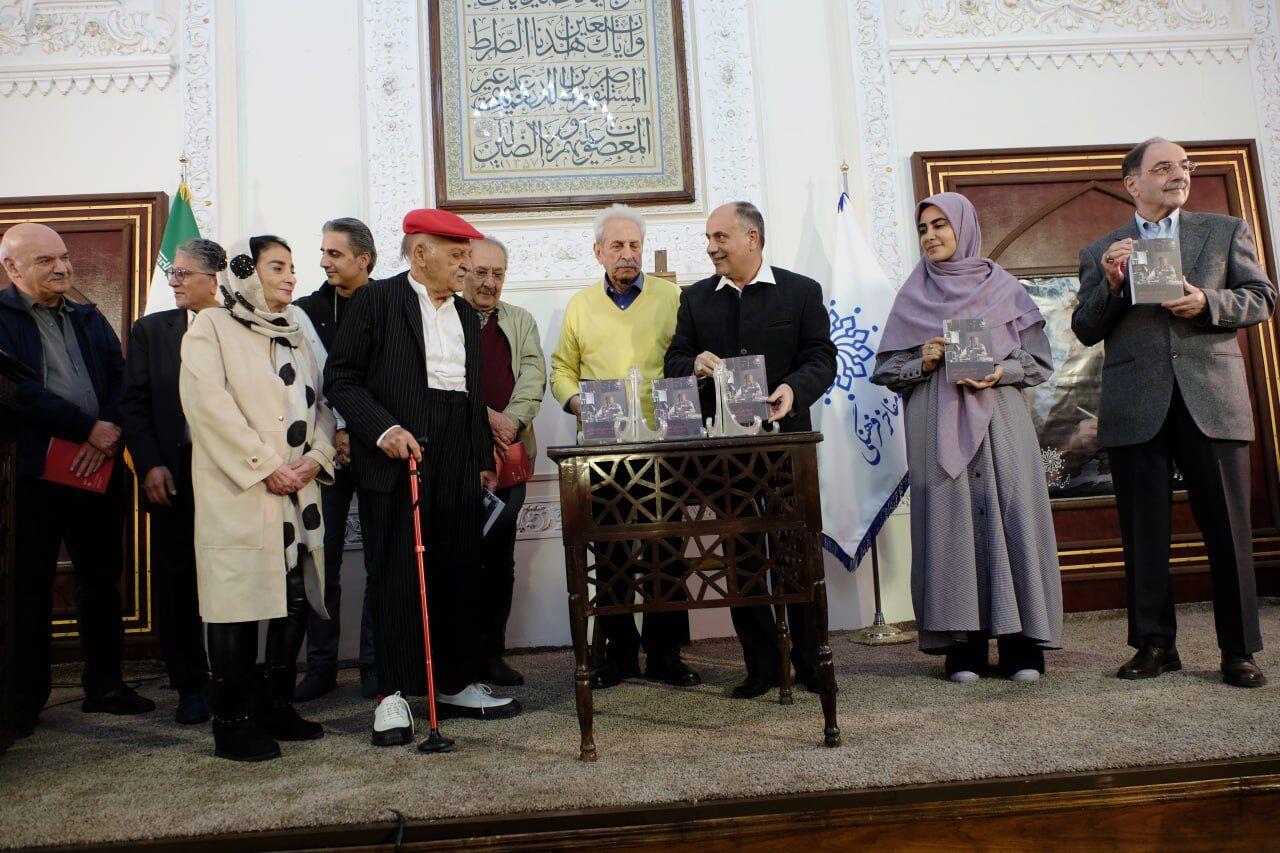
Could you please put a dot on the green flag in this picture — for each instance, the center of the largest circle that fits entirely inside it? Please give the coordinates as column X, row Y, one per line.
column 180, row 228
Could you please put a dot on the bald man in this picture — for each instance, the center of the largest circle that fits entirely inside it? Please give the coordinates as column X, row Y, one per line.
column 76, row 370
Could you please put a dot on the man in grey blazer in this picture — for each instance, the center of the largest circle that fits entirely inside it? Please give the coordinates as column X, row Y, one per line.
column 1174, row 391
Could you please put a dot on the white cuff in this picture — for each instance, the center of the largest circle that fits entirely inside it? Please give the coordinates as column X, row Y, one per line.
column 384, row 435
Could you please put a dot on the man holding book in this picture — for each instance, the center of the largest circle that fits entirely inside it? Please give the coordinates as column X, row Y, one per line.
column 1174, row 392
column 751, row 308
column 513, row 379
column 68, row 402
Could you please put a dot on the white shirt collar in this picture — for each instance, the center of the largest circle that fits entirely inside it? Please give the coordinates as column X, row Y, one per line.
column 764, row 275
column 425, row 295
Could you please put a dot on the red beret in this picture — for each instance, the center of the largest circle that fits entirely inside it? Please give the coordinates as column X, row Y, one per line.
column 428, row 220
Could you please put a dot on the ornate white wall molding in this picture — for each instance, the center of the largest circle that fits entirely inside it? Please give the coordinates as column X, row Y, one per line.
column 197, row 80
column 1264, row 57
column 874, row 97
column 539, row 520
column 1120, row 51
column 555, row 245
column 968, row 19
column 65, row 45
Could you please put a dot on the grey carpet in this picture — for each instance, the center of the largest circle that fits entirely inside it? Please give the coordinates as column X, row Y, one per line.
column 88, row 778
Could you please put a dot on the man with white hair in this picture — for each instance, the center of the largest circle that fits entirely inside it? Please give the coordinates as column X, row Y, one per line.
column 609, row 327
column 72, row 393
column 405, row 371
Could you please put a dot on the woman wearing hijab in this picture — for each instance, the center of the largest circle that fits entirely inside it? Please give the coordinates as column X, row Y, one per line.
column 984, row 558
column 262, row 442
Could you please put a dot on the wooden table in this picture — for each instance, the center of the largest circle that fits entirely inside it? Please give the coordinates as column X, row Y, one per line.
column 680, row 525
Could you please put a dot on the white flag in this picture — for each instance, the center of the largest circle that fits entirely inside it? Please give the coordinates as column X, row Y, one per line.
column 863, row 457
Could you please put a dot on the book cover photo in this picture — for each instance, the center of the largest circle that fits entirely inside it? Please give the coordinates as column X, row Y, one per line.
column 675, row 402
column 602, row 404
column 968, row 349
column 1155, row 271
column 748, row 388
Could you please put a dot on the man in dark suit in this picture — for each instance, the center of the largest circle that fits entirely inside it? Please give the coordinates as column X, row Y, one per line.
column 1174, row 391
column 76, row 365
column 155, row 431
column 406, row 366
column 751, row 308
column 347, row 255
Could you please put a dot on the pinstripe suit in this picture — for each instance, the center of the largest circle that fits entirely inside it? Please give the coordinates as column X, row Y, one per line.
column 376, row 377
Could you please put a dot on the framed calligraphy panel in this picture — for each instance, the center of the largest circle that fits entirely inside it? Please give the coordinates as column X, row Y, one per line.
column 559, row 103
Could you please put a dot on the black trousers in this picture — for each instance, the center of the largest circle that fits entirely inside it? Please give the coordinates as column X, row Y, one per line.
column 498, row 572
column 173, row 588
column 323, row 634
column 1216, row 476
column 47, row 515
column 233, row 646
column 451, row 532
column 758, row 632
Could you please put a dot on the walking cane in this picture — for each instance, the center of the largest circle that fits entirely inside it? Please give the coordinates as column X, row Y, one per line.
column 435, row 741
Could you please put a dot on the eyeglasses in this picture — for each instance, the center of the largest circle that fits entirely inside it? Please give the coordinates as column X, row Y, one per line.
column 484, row 274
column 180, row 275
column 1164, row 167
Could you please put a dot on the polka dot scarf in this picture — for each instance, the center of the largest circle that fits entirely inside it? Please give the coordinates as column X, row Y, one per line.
column 295, row 364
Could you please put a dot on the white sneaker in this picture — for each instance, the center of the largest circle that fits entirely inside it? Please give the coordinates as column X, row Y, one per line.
column 1025, row 675
column 478, row 702
column 964, row 676
column 393, row 721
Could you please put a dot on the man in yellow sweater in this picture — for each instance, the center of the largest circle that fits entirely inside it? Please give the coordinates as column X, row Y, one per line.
column 625, row 321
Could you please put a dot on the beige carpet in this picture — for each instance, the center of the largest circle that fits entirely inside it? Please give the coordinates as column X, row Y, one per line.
column 93, row 778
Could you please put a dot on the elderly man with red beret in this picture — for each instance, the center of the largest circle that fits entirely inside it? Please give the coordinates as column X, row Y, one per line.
column 405, row 374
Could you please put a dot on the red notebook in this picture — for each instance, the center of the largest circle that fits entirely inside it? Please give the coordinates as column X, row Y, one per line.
column 516, row 468
column 57, row 468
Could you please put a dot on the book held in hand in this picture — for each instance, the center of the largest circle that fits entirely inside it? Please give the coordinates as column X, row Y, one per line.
column 676, row 402
column 968, row 349
column 57, row 468
column 748, row 388
column 1155, row 271
column 601, row 404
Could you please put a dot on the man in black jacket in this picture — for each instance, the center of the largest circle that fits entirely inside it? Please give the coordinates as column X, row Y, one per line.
column 74, row 356
column 347, row 256
column 155, row 431
column 406, row 367
column 751, row 308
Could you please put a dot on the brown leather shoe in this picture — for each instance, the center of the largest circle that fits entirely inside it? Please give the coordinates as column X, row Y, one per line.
column 1150, row 662
column 1242, row 671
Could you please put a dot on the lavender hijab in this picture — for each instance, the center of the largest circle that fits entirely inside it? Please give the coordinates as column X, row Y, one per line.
column 967, row 286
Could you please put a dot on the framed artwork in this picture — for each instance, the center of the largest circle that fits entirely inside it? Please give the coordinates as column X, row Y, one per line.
column 558, row 103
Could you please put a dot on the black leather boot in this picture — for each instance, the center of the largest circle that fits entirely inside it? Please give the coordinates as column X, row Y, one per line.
column 235, row 734
column 276, row 714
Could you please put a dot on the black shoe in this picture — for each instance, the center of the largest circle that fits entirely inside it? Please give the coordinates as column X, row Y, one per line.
column 810, row 681
column 276, row 714
column 315, row 684
column 672, row 671
column 1150, row 662
column 369, row 682
column 236, row 736
column 192, row 707
column 123, row 700
column 613, row 672
column 498, row 672
column 753, row 686
column 1242, row 671
column 25, row 727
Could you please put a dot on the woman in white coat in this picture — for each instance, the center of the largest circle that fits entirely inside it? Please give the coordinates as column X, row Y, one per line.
column 262, row 441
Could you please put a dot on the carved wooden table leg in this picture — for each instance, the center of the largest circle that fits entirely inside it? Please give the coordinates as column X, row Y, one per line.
column 582, row 675
column 784, row 655
column 826, row 667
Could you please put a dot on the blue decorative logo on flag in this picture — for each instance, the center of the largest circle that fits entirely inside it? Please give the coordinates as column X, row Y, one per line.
column 853, row 362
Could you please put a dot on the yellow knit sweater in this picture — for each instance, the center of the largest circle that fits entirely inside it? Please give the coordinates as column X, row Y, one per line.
column 600, row 341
